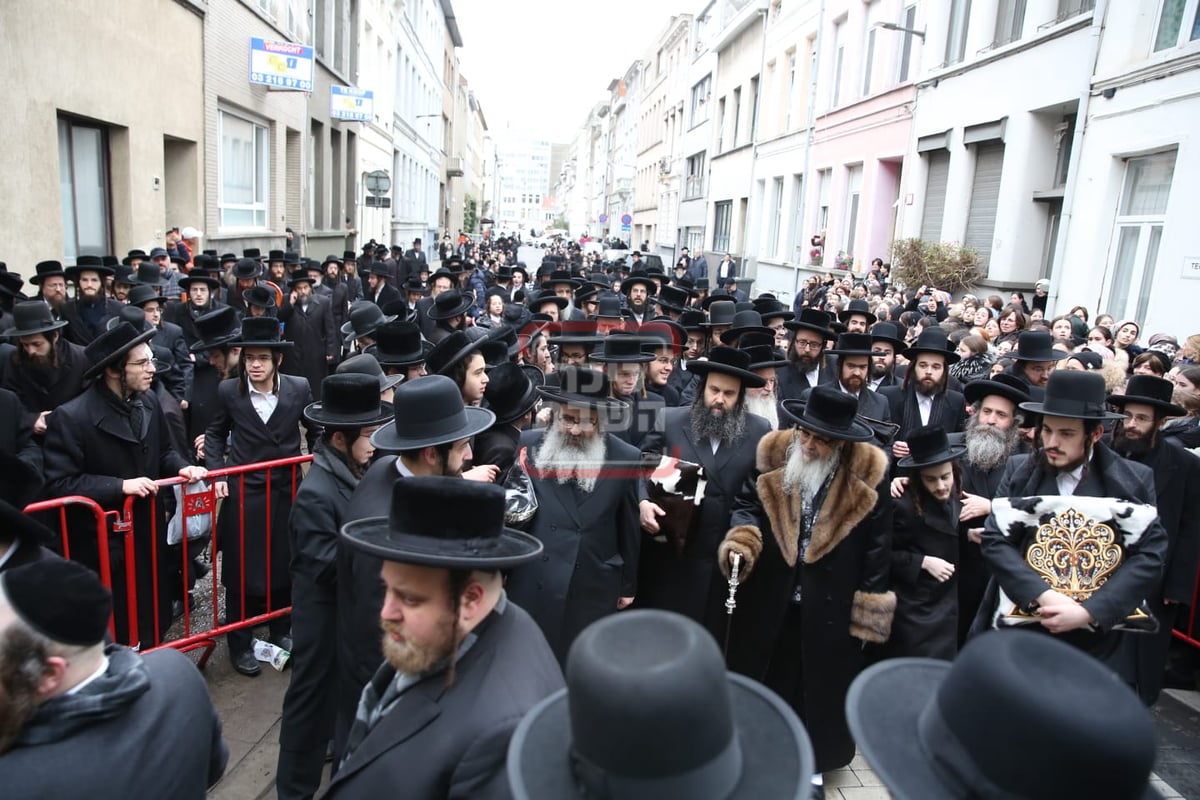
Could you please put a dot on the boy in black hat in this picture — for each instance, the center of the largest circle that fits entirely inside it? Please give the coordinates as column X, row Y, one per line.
column 463, row 664
column 82, row 717
column 348, row 412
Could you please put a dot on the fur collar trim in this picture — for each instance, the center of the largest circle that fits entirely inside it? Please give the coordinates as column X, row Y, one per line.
column 851, row 496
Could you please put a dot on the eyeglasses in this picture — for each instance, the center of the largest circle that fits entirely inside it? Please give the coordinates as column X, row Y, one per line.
column 802, row 344
column 257, row 359
column 807, row 436
column 569, row 422
column 144, row 363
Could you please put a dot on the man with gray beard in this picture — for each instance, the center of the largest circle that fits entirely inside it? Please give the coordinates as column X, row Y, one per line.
column 718, row 433
column 764, row 361
column 586, row 482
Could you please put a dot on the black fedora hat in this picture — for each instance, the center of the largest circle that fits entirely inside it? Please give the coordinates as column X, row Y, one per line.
column 561, row 276
column 660, row 333
column 32, row 317
column 1076, row 395
column 769, row 307
column 260, row 296
column 134, row 315
column 418, row 529
column 216, row 329
column 621, row 347
column 1149, row 390
column 141, row 294
column 857, row 307
column 1036, row 346
column 149, row 274
column 447, row 353
column 692, row 319
column 720, row 314
column 510, row 393
column 762, row 351
column 107, row 348
column 548, row 296
column 414, row 284
column 745, row 321
column 811, row 319
column 936, row 730
column 376, row 268
column 87, row 264
column 301, row 276
column 888, row 332
column 928, row 447
column 197, row 275
column 663, row 720
column 932, row 340
column 1010, row 387
column 349, row 400
column 672, row 298
column 827, row 412
column 246, row 269
column 583, row 386
column 643, row 278
column 718, row 295
column 46, row 269
column 608, row 306
column 450, row 304
column 364, row 364
column 275, row 255
column 427, row 412
column 252, row 252
column 728, row 361
column 365, row 318
column 852, row 344
column 260, row 332
column 134, row 255
column 575, row 332
column 399, row 344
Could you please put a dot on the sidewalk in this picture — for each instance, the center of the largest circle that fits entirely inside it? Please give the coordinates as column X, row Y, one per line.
column 250, row 713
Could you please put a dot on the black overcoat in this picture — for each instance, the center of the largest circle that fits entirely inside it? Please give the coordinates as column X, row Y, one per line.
column 791, row 381
column 316, row 344
column 951, row 419
column 66, row 384
column 926, row 621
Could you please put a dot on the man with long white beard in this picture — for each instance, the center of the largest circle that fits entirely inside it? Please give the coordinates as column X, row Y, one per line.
column 1146, row 402
column 717, row 433
column 586, row 481
column 462, row 664
column 814, row 532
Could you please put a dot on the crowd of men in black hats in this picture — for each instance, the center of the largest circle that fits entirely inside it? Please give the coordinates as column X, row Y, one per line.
column 586, row 479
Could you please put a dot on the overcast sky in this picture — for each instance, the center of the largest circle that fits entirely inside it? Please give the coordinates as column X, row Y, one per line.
column 540, row 65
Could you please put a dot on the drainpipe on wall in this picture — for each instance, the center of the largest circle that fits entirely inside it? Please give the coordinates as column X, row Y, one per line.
column 1081, row 118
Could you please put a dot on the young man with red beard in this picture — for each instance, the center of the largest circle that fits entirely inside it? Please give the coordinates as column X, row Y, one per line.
column 463, row 664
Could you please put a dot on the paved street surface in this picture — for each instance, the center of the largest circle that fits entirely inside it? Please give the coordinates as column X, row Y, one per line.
column 250, row 708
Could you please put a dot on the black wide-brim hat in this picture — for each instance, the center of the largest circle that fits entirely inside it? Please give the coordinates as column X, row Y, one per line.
column 898, row 724
column 1152, row 391
column 624, row 348
column 859, row 308
column 444, row 522
column 428, row 412
column 548, row 296
column 447, row 353
column 216, row 329
column 1074, row 395
column 399, row 344
column 87, row 264
column 260, row 332
column 108, row 348
column 887, row 332
column 583, row 386
column 32, row 317
column 366, row 364
column 745, row 322
column 1007, row 386
column 197, row 276
column 768, row 754
column 852, row 344
column 928, row 446
column 643, row 278
column 1036, row 346
column 812, row 319
column 728, row 361
column 827, row 412
column 349, row 400
column 510, row 393
column 932, row 340
column 450, row 304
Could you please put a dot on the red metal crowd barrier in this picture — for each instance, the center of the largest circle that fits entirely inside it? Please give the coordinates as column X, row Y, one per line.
column 1189, row 632
column 124, row 526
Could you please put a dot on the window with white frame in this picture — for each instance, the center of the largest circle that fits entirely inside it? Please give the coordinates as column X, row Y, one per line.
column 775, row 229
column 1178, row 24
column 824, row 179
column 868, row 63
column 1010, row 19
column 693, row 186
column 722, row 223
column 854, row 179
column 908, row 19
column 839, row 57
column 1138, row 231
column 956, row 36
column 796, row 227
column 84, row 187
column 790, row 101
column 243, row 172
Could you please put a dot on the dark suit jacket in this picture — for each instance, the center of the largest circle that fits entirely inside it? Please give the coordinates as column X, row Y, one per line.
column 692, row 584
column 952, row 418
column 67, row 384
column 451, row 742
column 16, row 435
column 184, row 315
column 497, row 445
column 316, row 341
column 592, row 543
column 387, row 295
column 79, row 331
column 791, row 382
column 178, row 379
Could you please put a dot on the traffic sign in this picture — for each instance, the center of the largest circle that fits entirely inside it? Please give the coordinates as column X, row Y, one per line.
column 626, row 227
column 603, row 218
column 626, row 219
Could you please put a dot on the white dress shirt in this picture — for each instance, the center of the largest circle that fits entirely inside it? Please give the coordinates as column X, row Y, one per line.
column 264, row 402
column 925, row 407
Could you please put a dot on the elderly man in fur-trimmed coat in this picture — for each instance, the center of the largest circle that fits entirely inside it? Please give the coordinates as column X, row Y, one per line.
column 814, row 531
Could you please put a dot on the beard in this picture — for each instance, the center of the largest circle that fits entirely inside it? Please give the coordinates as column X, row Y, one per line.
column 1135, row 447
column 566, row 457
column 21, row 668
column 807, row 362
column 764, row 406
column 989, row 447
column 805, row 476
column 724, row 426
column 637, row 306
column 55, row 301
column 413, row 658
column 879, row 369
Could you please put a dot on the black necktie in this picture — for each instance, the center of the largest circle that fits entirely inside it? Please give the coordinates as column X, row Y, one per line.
column 137, row 413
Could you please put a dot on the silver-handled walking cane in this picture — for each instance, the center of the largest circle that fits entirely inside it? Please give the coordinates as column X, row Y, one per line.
column 731, row 600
